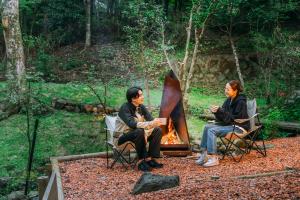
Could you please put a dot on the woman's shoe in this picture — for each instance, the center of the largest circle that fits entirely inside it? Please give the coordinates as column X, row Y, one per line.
column 212, row 161
column 202, row 159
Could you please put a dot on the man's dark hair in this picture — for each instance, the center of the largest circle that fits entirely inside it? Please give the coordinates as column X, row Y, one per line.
column 132, row 92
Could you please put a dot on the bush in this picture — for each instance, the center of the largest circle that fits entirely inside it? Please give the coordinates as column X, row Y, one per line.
column 72, row 63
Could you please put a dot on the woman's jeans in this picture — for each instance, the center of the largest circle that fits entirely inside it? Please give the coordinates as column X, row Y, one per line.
column 210, row 134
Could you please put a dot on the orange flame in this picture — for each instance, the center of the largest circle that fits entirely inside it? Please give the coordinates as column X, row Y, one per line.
column 171, row 137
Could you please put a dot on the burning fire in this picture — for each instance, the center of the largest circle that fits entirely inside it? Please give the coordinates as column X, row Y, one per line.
column 172, row 136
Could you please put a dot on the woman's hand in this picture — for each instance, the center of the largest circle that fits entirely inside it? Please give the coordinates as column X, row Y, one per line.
column 214, row 108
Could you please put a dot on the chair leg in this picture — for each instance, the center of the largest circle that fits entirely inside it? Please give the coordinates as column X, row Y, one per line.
column 106, row 149
column 231, row 144
column 120, row 157
column 226, row 148
column 261, row 150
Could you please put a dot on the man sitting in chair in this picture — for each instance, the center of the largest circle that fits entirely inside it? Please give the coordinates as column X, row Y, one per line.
column 134, row 123
column 234, row 107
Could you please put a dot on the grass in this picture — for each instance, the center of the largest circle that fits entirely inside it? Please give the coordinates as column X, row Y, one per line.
column 61, row 133
column 64, row 133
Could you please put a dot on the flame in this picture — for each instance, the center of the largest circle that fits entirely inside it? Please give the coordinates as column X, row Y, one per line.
column 172, row 136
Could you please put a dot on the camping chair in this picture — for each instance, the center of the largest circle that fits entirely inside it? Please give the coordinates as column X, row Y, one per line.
column 120, row 152
column 249, row 138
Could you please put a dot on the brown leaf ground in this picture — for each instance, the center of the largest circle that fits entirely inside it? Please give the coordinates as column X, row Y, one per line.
column 90, row 179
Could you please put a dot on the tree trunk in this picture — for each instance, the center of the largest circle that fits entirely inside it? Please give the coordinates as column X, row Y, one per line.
column 147, row 91
column 183, row 73
column 143, row 65
column 237, row 62
column 166, row 7
column 14, row 50
column 183, row 66
column 88, row 23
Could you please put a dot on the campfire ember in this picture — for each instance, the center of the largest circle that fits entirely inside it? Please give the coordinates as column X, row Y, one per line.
column 172, row 136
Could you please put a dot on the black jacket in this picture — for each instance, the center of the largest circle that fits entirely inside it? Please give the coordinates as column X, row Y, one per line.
column 235, row 109
column 127, row 114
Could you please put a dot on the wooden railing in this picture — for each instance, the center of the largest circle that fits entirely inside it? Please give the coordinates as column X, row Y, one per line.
column 54, row 189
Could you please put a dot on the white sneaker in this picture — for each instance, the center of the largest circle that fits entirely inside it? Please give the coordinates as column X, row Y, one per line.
column 212, row 161
column 202, row 159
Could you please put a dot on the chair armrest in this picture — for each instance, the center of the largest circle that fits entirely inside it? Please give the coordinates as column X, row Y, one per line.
column 245, row 120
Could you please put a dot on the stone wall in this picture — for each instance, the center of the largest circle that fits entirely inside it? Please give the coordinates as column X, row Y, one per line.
column 214, row 69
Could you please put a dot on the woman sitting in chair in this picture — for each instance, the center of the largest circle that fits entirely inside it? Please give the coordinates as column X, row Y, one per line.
column 234, row 107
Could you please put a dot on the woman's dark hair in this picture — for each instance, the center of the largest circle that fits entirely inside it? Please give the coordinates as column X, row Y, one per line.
column 132, row 92
column 236, row 85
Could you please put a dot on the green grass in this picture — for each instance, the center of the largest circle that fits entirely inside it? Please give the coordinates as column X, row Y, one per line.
column 61, row 133
column 82, row 93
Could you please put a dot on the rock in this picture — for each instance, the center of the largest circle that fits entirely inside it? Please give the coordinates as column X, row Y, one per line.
column 16, row 195
column 33, row 195
column 59, row 103
column 70, row 108
column 149, row 182
column 4, row 181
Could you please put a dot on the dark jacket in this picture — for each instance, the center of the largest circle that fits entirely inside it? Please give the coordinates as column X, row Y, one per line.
column 235, row 109
column 127, row 114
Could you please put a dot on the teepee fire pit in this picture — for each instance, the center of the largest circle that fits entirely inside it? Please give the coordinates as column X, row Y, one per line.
column 175, row 140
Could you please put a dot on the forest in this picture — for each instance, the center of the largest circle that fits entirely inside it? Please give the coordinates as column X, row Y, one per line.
column 66, row 64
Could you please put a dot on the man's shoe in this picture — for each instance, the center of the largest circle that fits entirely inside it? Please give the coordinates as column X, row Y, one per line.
column 143, row 166
column 154, row 164
column 202, row 159
column 212, row 161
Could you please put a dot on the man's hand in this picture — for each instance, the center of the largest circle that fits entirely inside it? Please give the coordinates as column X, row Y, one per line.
column 157, row 122
column 214, row 108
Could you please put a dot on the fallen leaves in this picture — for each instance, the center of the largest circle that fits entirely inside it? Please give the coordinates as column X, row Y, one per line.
column 90, row 179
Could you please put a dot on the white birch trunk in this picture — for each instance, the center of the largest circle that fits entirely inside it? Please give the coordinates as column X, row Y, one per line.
column 183, row 67
column 88, row 23
column 14, row 48
column 237, row 63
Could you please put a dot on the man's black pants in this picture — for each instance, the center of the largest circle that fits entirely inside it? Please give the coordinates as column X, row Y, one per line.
column 137, row 136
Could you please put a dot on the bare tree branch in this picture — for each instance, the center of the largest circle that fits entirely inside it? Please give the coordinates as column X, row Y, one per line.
column 175, row 70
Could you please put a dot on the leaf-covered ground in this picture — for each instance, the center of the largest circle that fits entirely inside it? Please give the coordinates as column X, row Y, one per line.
column 89, row 178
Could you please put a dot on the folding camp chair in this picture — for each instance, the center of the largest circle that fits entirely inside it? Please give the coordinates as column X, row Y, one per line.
column 249, row 138
column 121, row 153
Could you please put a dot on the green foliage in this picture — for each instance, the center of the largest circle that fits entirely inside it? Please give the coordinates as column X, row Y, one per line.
column 271, row 129
column 58, row 134
column 37, row 49
column 60, row 21
column 143, row 30
column 265, row 15
column 72, row 63
column 278, row 65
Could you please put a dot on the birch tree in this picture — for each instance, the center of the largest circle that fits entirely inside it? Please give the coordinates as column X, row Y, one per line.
column 14, row 50
column 228, row 17
column 87, row 4
column 142, row 32
column 184, row 70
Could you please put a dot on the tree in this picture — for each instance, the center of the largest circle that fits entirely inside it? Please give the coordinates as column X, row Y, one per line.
column 199, row 15
column 14, row 50
column 142, row 32
column 227, row 17
column 87, row 4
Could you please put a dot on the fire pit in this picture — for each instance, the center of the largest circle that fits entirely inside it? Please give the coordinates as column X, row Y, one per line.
column 175, row 140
